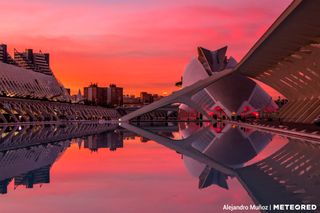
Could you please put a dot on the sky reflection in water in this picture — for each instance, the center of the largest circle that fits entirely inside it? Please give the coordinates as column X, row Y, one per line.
column 140, row 177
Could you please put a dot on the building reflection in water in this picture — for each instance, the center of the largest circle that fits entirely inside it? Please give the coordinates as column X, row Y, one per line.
column 110, row 140
column 28, row 153
column 272, row 169
column 30, row 165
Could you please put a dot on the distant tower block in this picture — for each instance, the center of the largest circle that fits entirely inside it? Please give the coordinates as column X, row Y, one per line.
column 3, row 53
column 29, row 54
column 38, row 62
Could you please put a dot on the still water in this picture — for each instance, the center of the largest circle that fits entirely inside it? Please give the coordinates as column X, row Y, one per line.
column 177, row 167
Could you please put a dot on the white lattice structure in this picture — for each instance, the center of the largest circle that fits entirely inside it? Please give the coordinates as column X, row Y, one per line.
column 28, row 75
column 287, row 57
column 20, row 82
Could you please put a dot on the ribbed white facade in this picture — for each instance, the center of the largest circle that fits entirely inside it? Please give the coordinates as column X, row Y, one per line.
column 19, row 82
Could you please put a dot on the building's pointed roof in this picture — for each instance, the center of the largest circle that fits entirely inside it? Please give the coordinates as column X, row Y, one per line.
column 210, row 176
column 213, row 61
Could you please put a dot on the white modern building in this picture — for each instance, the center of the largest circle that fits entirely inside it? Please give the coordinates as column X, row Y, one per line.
column 233, row 95
column 28, row 75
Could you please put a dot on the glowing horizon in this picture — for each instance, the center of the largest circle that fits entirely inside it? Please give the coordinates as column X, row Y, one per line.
column 134, row 44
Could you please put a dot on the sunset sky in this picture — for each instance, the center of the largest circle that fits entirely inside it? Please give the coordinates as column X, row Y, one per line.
column 139, row 45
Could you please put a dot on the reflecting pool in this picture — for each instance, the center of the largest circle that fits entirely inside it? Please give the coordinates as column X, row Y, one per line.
column 151, row 167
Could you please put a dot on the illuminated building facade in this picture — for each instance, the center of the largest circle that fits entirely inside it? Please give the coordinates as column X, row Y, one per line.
column 231, row 96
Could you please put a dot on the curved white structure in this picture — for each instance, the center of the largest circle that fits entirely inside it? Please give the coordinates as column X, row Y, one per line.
column 234, row 95
column 28, row 75
column 286, row 58
column 19, row 82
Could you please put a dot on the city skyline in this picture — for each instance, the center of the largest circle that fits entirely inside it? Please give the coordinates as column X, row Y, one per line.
column 124, row 49
column 159, row 106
